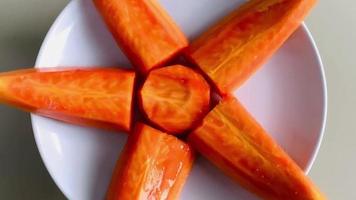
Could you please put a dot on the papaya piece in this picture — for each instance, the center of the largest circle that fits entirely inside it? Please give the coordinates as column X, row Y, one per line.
column 94, row 97
column 153, row 165
column 238, row 145
column 143, row 30
column 237, row 46
column 174, row 98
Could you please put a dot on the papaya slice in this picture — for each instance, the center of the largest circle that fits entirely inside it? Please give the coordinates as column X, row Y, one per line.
column 95, row 97
column 238, row 145
column 174, row 98
column 144, row 31
column 233, row 49
column 153, row 165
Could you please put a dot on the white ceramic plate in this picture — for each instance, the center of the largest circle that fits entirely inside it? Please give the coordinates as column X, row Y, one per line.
column 287, row 96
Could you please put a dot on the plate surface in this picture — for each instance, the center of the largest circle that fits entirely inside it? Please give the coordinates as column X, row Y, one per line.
column 287, row 96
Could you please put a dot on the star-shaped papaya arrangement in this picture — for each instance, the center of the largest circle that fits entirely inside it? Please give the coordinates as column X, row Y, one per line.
column 185, row 104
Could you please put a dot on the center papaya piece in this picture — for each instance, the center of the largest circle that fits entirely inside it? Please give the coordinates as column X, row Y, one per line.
column 238, row 145
column 237, row 46
column 174, row 98
column 153, row 165
column 143, row 30
column 94, row 97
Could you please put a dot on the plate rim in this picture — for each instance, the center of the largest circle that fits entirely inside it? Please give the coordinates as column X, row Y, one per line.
column 304, row 29
column 325, row 97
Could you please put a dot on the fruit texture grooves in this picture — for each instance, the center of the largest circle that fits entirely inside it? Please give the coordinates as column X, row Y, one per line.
column 232, row 50
column 153, row 165
column 143, row 30
column 100, row 97
column 175, row 98
column 231, row 138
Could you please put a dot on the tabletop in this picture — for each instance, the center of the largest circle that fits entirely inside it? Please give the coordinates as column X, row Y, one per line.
column 24, row 23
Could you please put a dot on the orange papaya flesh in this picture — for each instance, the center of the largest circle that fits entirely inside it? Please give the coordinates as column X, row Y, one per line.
column 174, row 98
column 93, row 97
column 238, row 145
column 237, row 46
column 143, row 30
column 153, row 165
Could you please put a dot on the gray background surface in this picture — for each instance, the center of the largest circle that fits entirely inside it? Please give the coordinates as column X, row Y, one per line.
column 24, row 23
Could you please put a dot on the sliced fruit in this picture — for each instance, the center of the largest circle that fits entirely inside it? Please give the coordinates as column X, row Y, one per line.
column 96, row 97
column 144, row 31
column 175, row 98
column 238, row 145
column 153, row 165
column 232, row 50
